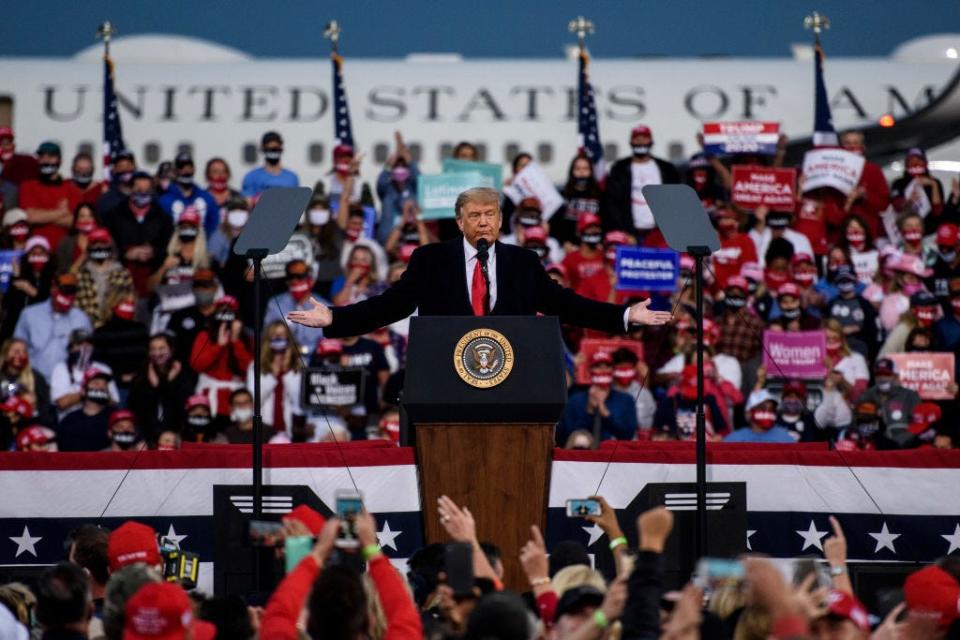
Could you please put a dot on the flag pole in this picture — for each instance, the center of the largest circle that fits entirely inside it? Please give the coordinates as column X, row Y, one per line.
column 106, row 32
column 582, row 28
column 332, row 33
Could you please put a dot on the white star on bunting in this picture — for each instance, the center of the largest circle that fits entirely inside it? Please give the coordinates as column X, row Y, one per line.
column 26, row 543
column 812, row 537
column 386, row 537
column 953, row 539
column 173, row 537
column 750, row 532
column 884, row 539
column 595, row 533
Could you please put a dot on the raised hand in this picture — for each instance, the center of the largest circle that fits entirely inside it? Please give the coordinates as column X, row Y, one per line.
column 533, row 559
column 640, row 313
column 459, row 523
column 319, row 316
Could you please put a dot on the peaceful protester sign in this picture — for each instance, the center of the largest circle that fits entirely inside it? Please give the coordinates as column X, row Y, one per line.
column 795, row 354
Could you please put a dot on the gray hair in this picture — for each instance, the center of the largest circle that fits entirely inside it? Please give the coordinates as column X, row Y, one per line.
column 121, row 586
column 483, row 195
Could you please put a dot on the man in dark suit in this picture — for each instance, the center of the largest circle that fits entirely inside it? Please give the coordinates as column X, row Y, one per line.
column 475, row 275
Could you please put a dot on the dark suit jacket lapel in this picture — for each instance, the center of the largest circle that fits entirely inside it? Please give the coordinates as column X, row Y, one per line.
column 503, row 267
column 461, row 292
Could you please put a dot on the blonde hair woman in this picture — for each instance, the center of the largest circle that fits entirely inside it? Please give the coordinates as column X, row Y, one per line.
column 280, row 368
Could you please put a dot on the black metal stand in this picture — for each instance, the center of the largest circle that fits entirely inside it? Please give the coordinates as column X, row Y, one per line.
column 257, row 255
column 699, row 253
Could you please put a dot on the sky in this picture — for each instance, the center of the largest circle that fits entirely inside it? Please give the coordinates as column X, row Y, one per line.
column 482, row 28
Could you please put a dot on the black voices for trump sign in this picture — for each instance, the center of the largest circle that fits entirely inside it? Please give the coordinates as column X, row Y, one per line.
column 332, row 386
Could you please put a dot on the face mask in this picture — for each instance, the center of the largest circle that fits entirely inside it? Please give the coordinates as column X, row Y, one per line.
column 98, row 396
column 6, row 154
column 272, row 156
column 187, row 234
column 17, row 362
column 805, row 278
column 319, row 216
column 123, row 178
column 624, row 375
column 19, row 231
column 834, row 346
column 591, row 239
column 38, row 261
column 218, row 184
column 204, row 298
column 85, row 227
column 48, row 171
column 774, row 279
column 913, row 236
column 83, row 181
column 611, row 255
column 226, row 316
column 946, row 254
column 279, row 345
column 581, row 184
column 699, row 179
column 916, row 170
column 727, row 229
column 885, row 385
column 400, row 174
column 198, row 422
column 241, row 415
column 140, row 199
column 764, row 419
column 791, row 314
column 124, row 439
column 641, row 150
column 342, row 168
column 100, row 254
column 735, row 302
column 868, row 429
column 846, row 286
column 300, row 288
column 541, row 251
column 62, row 302
column 160, row 359
column 925, row 316
column 237, row 218
column 124, row 310
column 185, row 180
column 352, row 234
column 601, row 379
column 364, row 269
column 792, row 408
column 911, row 288
column 856, row 239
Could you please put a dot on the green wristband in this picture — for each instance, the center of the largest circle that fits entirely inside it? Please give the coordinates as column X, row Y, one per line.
column 600, row 619
column 616, row 542
column 370, row 551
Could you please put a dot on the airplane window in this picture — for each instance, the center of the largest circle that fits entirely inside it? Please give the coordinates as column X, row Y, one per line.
column 380, row 152
column 510, row 151
column 85, row 147
column 482, row 151
column 315, row 153
column 185, row 147
column 446, row 150
column 250, row 153
column 675, row 152
column 151, row 152
column 416, row 151
column 610, row 151
column 545, row 153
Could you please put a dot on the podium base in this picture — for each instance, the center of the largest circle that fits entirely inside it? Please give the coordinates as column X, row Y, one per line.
column 501, row 472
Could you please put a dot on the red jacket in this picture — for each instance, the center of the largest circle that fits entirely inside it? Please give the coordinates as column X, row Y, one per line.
column 226, row 363
column 735, row 251
column 280, row 619
column 875, row 200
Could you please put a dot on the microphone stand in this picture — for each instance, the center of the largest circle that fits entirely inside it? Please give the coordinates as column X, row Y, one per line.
column 483, row 256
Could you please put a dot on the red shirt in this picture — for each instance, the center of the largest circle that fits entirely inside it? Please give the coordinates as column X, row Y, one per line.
column 41, row 195
column 735, row 250
column 875, row 200
column 580, row 268
column 20, row 168
column 811, row 223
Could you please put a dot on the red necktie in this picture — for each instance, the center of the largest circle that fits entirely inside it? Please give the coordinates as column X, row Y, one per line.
column 479, row 293
column 278, row 422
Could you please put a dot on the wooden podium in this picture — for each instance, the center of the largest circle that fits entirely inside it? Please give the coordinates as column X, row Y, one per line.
column 487, row 446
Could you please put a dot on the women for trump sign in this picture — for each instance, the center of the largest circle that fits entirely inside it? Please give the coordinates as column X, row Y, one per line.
column 795, row 354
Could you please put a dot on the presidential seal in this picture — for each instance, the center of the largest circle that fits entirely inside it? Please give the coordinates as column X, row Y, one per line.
column 483, row 358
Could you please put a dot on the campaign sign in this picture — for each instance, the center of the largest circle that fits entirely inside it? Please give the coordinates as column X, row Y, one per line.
column 332, row 386
column 437, row 194
column 642, row 269
column 8, row 259
column 929, row 374
column 720, row 138
column 533, row 182
column 492, row 173
column 795, row 354
column 831, row 168
column 764, row 186
column 590, row 346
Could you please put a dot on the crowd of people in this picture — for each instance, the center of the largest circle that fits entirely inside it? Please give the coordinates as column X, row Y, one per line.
column 127, row 320
column 112, row 585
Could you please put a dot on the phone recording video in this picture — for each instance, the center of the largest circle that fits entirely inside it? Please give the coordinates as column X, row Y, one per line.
column 581, row 508
column 349, row 505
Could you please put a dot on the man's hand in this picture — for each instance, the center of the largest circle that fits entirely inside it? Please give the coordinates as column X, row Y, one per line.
column 653, row 529
column 533, row 558
column 835, row 547
column 325, row 541
column 459, row 523
column 319, row 316
column 597, row 400
column 607, row 519
column 366, row 528
column 223, row 334
column 640, row 313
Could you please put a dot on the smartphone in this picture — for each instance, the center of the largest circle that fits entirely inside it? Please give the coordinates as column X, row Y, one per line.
column 581, row 508
column 458, row 565
column 807, row 566
column 349, row 504
column 265, row 533
column 296, row 548
column 712, row 571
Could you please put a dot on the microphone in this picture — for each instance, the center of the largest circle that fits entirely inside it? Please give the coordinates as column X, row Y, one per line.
column 482, row 247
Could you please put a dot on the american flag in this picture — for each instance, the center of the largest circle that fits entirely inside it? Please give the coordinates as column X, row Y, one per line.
column 342, row 131
column 824, row 135
column 588, row 133
column 112, row 134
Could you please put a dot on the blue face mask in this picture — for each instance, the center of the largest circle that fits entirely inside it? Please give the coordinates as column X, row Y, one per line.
column 279, row 345
column 140, row 199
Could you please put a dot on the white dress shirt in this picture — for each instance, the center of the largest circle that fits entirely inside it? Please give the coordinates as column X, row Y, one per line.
column 470, row 256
